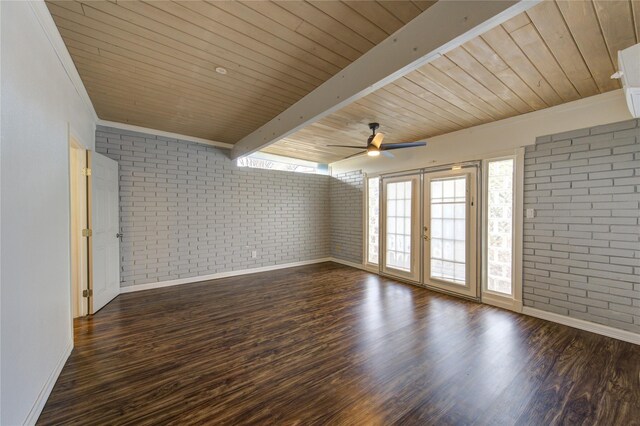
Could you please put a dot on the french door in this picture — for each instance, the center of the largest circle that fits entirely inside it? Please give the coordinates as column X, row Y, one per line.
column 400, row 233
column 449, row 231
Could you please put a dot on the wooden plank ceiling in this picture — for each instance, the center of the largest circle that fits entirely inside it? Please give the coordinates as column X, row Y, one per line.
column 153, row 64
column 556, row 52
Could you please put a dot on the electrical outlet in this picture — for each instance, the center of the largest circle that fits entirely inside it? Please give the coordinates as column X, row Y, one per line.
column 254, row 254
column 531, row 213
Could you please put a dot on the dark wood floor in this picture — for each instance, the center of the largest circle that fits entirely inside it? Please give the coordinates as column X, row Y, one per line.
column 331, row 344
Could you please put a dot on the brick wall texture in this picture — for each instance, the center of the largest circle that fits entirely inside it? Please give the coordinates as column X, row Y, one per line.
column 186, row 210
column 346, row 216
column 582, row 249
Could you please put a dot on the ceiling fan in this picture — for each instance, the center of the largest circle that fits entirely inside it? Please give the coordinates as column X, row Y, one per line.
column 375, row 147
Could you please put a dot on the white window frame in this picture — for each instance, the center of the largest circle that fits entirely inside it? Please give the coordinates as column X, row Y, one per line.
column 373, row 267
column 257, row 160
column 514, row 300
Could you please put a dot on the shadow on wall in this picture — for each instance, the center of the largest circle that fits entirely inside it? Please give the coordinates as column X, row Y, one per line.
column 346, row 194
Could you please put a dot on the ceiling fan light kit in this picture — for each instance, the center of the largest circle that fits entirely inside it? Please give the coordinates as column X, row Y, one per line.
column 375, row 147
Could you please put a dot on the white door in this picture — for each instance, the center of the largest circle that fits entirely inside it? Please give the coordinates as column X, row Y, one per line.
column 400, row 234
column 105, row 242
column 449, row 232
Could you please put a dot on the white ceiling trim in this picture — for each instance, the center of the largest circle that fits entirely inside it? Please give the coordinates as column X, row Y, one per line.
column 139, row 129
column 51, row 30
column 441, row 28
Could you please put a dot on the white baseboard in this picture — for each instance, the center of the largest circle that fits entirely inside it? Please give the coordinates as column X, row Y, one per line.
column 38, row 405
column 149, row 286
column 604, row 330
column 502, row 302
column 347, row 263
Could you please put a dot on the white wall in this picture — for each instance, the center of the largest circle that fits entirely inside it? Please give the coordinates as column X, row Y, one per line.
column 39, row 104
column 502, row 136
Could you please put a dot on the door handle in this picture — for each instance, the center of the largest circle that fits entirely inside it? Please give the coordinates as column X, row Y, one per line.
column 425, row 236
column 119, row 236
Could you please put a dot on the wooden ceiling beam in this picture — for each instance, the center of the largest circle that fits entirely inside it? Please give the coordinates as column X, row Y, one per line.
column 439, row 29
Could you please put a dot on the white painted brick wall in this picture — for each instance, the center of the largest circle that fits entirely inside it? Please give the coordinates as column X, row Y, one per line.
column 186, row 210
column 346, row 216
column 582, row 250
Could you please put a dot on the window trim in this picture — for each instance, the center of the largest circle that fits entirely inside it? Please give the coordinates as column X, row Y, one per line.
column 319, row 168
column 511, row 301
column 365, row 254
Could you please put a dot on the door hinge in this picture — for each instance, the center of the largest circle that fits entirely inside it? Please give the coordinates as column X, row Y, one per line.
column 86, row 171
column 87, row 232
column 87, row 293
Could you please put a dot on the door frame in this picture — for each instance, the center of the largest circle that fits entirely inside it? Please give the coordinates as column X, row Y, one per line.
column 471, row 289
column 511, row 303
column 78, row 259
column 416, row 211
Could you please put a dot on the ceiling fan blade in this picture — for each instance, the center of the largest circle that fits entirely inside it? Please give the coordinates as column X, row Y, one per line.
column 387, row 154
column 349, row 146
column 377, row 140
column 355, row 155
column 402, row 145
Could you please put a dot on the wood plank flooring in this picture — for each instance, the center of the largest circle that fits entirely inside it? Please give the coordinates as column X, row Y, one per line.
column 331, row 344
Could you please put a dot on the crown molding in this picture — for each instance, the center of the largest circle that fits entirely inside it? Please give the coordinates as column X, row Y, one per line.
column 140, row 129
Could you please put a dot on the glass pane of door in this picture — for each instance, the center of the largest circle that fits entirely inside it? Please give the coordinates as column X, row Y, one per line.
column 398, row 248
column 450, row 231
column 401, row 222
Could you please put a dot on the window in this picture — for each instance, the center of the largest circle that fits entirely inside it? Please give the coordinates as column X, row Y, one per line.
column 398, row 238
column 373, row 219
column 275, row 162
column 449, row 229
column 500, row 226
